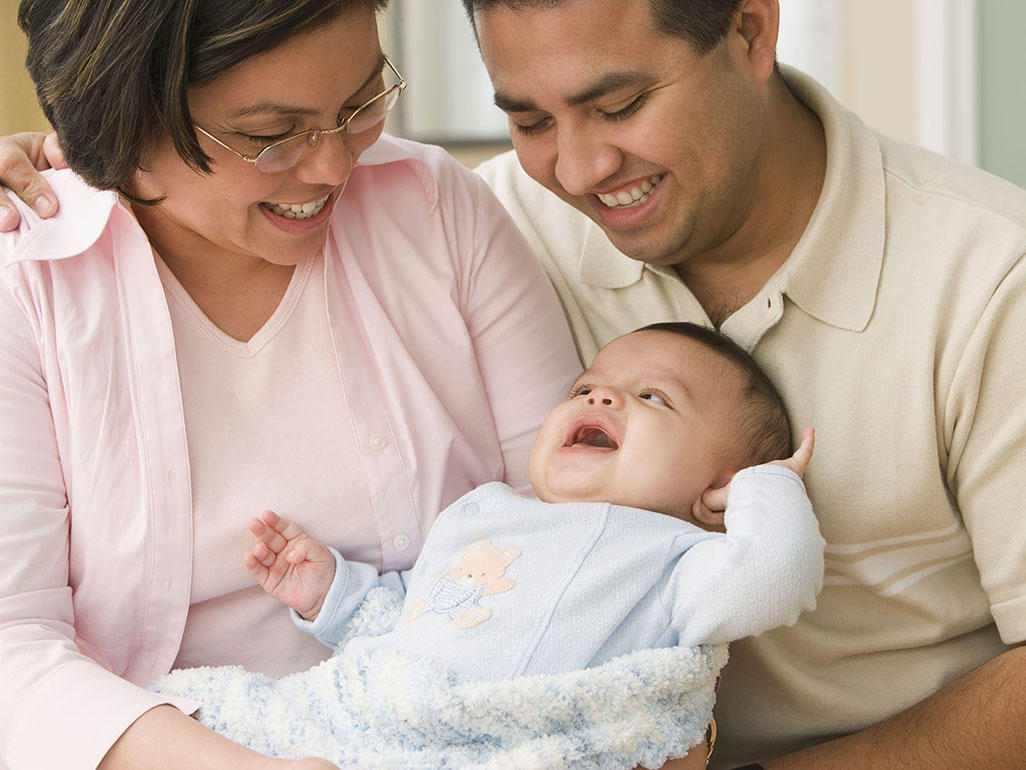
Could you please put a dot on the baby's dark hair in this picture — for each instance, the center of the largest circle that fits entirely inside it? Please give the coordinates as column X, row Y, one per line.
column 764, row 430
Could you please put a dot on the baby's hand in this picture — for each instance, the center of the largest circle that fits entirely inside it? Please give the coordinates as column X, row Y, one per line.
column 713, row 502
column 799, row 461
column 290, row 565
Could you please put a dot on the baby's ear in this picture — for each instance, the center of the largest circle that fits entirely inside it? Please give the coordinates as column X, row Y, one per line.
column 709, row 508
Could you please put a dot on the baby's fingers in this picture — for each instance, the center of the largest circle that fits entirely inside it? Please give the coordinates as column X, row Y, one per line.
column 715, row 499
column 266, row 530
column 800, row 459
column 255, row 567
column 288, row 530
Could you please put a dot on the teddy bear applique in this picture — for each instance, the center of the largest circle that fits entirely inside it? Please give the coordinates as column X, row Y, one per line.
column 457, row 591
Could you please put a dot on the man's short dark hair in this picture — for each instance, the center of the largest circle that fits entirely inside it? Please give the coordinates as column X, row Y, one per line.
column 111, row 76
column 764, row 430
column 702, row 23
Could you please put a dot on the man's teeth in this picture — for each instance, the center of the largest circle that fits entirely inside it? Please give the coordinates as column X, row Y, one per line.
column 297, row 210
column 625, row 199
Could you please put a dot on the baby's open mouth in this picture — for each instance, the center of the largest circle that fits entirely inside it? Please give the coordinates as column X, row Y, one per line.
column 593, row 436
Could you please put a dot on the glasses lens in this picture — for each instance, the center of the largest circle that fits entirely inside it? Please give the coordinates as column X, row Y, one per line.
column 283, row 155
column 372, row 114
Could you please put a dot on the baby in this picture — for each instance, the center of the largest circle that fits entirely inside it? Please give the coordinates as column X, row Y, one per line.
column 623, row 551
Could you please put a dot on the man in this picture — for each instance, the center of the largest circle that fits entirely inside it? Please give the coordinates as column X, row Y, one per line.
column 883, row 289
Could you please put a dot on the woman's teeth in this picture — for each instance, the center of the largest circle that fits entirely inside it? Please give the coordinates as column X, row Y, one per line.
column 297, row 210
column 626, row 199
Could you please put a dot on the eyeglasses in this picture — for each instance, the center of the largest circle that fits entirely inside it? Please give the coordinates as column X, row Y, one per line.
column 285, row 153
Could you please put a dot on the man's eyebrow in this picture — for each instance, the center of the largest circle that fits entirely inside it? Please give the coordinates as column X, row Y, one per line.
column 608, row 83
column 260, row 108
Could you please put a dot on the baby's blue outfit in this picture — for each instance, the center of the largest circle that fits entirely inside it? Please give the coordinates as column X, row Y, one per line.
column 593, row 581
column 534, row 634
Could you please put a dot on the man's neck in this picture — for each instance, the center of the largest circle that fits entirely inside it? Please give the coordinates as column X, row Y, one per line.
column 790, row 180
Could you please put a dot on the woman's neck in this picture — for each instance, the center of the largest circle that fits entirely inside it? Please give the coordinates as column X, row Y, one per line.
column 237, row 292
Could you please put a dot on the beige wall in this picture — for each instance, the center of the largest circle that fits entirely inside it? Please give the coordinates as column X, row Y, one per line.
column 880, row 65
column 18, row 108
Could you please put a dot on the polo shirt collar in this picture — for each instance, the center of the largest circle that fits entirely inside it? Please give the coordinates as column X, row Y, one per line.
column 834, row 270
column 603, row 265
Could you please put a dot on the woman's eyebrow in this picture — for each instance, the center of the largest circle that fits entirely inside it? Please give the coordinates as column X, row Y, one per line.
column 280, row 108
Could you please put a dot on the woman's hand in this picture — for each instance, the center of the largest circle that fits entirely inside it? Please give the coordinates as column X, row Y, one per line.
column 22, row 157
column 290, row 565
column 310, row 763
column 165, row 737
column 694, row 760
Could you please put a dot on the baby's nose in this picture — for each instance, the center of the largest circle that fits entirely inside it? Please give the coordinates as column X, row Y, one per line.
column 604, row 396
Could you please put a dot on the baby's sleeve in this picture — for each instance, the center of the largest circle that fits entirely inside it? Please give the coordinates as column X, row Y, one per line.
column 360, row 602
column 763, row 573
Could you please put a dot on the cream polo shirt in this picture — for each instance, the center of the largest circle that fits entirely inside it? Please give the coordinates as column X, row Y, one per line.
column 896, row 329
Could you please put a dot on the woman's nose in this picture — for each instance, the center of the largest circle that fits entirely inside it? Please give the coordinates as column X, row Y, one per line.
column 329, row 162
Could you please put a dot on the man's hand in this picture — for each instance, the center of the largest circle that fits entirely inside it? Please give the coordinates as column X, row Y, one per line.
column 22, row 157
column 290, row 565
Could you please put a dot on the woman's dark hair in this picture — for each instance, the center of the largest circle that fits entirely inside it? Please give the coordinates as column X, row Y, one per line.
column 763, row 428
column 703, row 23
column 112, row 75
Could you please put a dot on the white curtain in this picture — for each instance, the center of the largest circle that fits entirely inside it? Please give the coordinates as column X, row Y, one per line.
column 450, row 96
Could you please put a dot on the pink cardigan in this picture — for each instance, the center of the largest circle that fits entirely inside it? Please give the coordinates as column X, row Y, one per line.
column 445, row 331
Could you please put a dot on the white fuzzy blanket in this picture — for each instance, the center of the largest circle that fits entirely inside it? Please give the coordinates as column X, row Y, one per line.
column 390, row 709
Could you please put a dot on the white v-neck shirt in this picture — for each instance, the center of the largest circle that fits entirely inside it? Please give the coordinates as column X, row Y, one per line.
column 258, row 415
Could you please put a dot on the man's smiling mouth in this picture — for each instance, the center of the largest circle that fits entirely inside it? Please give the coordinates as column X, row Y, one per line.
column 634, row 196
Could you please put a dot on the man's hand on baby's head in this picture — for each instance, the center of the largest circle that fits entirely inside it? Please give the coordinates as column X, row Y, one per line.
column 290, row 565
column 22, row 157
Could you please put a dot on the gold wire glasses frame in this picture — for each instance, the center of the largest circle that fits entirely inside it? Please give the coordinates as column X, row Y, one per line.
column 285, row 153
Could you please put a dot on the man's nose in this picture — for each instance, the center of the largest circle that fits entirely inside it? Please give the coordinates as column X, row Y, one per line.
column 584, row 159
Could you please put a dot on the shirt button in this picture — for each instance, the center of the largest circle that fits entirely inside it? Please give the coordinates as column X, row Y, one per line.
column 378, row 441
column 471, row 508
column 401, row 542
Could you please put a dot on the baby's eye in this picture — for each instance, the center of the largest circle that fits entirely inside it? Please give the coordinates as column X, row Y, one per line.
column 579, row 390
column 654, row 395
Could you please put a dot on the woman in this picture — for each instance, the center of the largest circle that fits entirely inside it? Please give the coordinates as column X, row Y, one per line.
column 211, row 327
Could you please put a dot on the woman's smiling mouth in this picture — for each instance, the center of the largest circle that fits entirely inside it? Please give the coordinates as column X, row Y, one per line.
column 297, row 210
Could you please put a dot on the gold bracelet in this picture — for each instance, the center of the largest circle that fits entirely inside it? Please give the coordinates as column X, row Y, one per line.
column 710, row 736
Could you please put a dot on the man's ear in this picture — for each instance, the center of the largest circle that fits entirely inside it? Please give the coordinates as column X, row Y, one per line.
column 757, row 23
